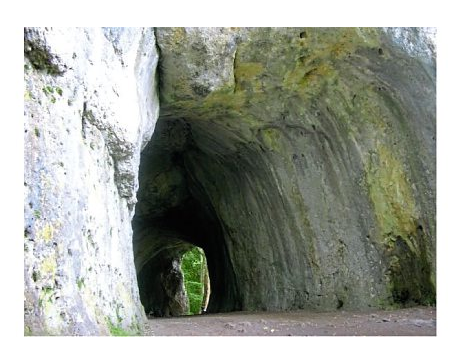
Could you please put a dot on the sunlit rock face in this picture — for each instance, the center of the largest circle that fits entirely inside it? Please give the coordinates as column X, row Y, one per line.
column 90, row 105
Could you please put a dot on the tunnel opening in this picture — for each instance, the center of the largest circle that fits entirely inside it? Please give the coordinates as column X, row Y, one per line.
column 274, row 176
column 175, row 282
column 196, row 280
column 174, row 217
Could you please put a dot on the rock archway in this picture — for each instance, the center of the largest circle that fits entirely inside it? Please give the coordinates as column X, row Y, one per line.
column 301, row 160
column 174, row 212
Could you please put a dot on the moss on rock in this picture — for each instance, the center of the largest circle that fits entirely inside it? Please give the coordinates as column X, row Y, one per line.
column 303, row 148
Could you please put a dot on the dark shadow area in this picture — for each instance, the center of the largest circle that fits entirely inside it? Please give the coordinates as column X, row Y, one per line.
column 173, row 214
column 175, row 282
column 161, row 285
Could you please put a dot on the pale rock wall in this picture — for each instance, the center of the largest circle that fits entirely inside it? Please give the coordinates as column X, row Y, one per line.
column 90, row 105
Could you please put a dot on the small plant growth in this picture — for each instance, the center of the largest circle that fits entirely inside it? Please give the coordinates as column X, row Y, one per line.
column 194, row 269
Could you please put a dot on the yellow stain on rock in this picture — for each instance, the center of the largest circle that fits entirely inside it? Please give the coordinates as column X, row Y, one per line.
column 391, row 194
column 49, row 265
column 46, row 233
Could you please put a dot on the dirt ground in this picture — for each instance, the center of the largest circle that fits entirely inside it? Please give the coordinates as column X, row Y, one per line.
column 417, row 321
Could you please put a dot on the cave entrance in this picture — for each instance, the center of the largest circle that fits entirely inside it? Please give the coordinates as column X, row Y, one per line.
column 174, row 220
column 175, row 281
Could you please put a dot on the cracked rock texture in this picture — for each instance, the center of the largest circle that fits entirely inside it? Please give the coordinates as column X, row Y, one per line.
column 90, row 105
column 301, row 160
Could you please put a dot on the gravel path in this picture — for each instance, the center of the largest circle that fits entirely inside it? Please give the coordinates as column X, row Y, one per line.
column 417, row 321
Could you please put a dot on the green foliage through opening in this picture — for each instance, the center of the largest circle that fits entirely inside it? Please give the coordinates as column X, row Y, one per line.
column 196, row 279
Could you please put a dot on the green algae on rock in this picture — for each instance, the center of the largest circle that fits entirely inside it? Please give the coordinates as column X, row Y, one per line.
column 301, row 160
column 313, row 151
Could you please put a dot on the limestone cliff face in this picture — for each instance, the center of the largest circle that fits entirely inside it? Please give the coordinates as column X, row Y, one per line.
column 90, row 105
column 301, row 160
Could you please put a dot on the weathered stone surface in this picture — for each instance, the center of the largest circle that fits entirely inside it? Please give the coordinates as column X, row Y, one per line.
column 90, row 105
column 301, row 160
column 161, row 282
